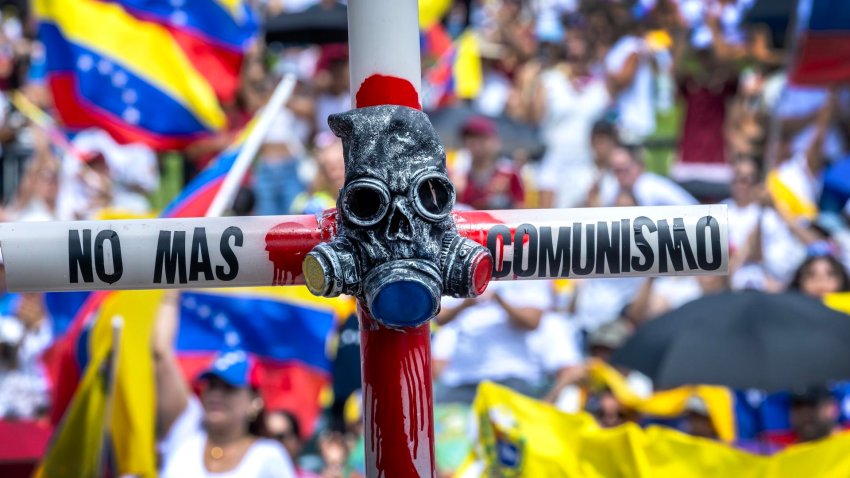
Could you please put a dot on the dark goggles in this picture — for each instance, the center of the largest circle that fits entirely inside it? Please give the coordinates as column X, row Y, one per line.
column 366, row 201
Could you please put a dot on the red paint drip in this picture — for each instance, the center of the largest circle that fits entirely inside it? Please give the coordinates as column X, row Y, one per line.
column 397, row 399
column 288, row 243
column 387, row 90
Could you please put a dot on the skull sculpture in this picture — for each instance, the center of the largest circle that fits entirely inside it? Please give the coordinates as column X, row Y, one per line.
column 396, row 244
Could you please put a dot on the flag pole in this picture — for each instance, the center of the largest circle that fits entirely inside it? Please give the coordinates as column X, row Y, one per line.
column 117, row 329
column 227, row 193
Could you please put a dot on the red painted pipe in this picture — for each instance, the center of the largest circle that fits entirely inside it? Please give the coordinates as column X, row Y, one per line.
column 398, row 404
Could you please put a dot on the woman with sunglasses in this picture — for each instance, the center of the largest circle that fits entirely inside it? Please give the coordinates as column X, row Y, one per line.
column 218, row 434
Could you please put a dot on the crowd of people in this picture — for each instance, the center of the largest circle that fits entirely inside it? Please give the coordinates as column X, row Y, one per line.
column 636, row 102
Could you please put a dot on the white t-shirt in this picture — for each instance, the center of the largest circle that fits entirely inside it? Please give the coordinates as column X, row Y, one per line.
column 635, row 103
column 183, row 452
column 555, row 343
column 796, row 175
column 601, row 300
column 650, row 189
column 289, row 129
column 565, row 128
column 798, row 101
column 782, row 252
column 482, row 344
column 493, row 97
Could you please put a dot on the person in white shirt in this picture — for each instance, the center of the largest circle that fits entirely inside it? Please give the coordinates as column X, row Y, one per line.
column 218, row 435
column 570, row 101
column 648, row 189
column 628, row 66
column 490, row 338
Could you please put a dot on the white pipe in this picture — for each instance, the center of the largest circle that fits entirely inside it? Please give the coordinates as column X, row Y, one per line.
column 383, row 39
column 267, row 250
column 224, row 198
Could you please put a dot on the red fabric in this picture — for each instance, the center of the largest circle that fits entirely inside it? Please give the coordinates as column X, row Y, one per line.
column 60, row 362
column 221, row 66
column 22, row 441
column 703, row 140
column 823, row 58
column 77, row 114
column 504, row 190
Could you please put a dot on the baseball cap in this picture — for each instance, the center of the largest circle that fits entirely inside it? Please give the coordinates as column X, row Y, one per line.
column 234, row 367
column 810, row 395
column 478, row 126
column 611, row 335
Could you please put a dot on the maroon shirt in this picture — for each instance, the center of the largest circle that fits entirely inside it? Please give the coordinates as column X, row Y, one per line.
column 703, row 141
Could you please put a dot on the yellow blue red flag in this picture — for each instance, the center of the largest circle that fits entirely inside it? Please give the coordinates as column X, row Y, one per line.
column 519, row 436
column 107, row 68
column 214, row 34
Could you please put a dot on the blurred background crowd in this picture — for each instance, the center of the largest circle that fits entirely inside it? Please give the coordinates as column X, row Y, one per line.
column 541, row 104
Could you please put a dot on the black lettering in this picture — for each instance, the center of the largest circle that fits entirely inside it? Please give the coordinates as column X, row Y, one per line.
column 675, row 245
column 702, row 255
column 79, row 256
column 492, row 243
column 523, row 231
column 625, row 244
column 100, row 256
column 228, row 254
column 171, row 256
column 555, row 261
column 607, row 247
column 643, row 245
column 589, row 250
column 199, row 260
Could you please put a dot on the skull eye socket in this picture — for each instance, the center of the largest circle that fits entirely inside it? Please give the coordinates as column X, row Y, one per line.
column 365, row 202
column 434, row 196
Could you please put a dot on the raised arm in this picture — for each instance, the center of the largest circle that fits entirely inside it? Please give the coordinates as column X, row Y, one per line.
column 172, row 391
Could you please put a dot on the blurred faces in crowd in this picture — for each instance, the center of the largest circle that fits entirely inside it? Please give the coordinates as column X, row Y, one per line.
column 820, row 275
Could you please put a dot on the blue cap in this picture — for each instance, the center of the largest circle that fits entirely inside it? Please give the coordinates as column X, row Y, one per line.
column 235, row 368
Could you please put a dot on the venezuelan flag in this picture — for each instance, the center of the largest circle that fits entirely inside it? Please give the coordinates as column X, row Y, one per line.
column 214, row 34
column 286, row 329
column 197, row 197
column 822, row 53
column 457, row 74
column 81, row 445
column 109, row 69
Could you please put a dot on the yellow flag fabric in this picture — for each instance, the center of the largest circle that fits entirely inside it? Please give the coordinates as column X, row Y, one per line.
column 467, row 73
column 520, row 436
column 670, row 403
column 788, row 203
column 75, row 449
column 134, row 416
column 839, row 301
column 432, row 11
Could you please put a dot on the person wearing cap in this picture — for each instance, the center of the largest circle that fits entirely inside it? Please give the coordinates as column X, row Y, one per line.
column 218, row 434
column 812, row 414
column 492, row 181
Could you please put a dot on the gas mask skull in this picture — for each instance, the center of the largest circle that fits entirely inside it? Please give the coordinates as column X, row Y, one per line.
column 396, row 246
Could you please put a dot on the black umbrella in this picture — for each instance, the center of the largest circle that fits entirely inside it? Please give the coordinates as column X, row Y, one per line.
column 513, row 134
column 312, row 26
column 743, row 340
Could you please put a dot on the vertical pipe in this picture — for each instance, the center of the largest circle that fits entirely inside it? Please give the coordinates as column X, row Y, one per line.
column 398, row 400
